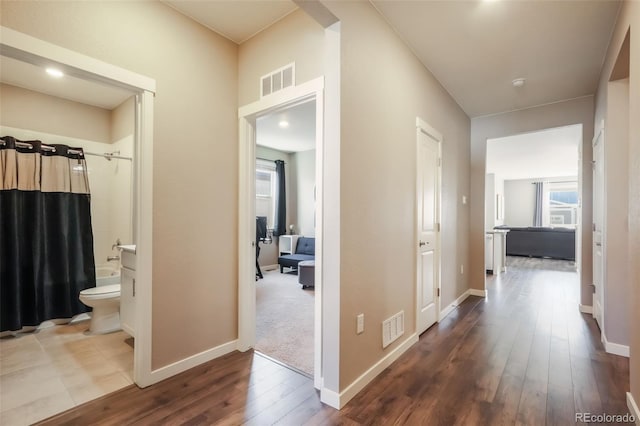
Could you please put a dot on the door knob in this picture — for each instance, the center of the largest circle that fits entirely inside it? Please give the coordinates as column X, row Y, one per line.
column 422, row 243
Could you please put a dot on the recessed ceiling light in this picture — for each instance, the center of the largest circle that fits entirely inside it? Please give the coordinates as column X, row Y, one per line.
column 54, row 72
column 283, row 124
column 518, row 82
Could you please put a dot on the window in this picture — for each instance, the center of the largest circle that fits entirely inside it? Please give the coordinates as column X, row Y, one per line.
column 563, row 204
column 265, row 190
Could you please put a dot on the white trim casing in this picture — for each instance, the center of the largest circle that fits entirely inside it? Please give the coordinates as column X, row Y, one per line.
column 585, row 309
column 246, row 249
column 340, row 400
column 633, row 408
column 614, row 348
column 446, row 311
column 311, row 90
column 143, row 228
column 38, row 52
column 330, row 344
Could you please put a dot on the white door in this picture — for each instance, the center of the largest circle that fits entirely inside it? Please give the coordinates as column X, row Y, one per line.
column 428, row 196
column 598, row 222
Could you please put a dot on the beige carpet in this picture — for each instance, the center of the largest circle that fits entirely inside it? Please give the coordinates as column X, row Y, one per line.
column 284, row 320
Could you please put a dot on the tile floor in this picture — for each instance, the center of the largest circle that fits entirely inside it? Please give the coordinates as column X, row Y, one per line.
column 51, row 370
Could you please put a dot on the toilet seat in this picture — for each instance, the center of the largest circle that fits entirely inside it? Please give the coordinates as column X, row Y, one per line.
column 102, row 292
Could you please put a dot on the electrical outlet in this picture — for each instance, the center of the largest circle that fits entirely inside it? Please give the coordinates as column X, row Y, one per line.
column 360, row 324
column 464, row 199
column 461, row 269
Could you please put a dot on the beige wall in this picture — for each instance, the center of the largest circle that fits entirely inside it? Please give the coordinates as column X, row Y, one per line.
column 576, row 111
column 269, row 252
column 628, row 19
column 304, row 184
column 35, row 111
column 295, row 38
column 120, row 208
column 383, row 88
column 123, row 120
column 195, row 154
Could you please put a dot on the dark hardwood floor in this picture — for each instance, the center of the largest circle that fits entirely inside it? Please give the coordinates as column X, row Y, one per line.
column 523, row 355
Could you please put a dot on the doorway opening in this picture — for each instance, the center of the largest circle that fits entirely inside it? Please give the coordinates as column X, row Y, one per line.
column 533, row 187
column 116, row 150
column 258, row 182
column 285, row 200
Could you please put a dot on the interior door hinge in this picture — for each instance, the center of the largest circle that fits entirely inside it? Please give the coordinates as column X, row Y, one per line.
column 438, row 225
column 438, row 292
column 439, row 162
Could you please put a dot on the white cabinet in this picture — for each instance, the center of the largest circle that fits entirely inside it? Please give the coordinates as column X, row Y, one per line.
column 287, row 244
column 495, row 251
column 488, row 252
column 128, row 292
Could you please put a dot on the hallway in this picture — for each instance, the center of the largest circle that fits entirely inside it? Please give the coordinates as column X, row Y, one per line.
column 523, row 355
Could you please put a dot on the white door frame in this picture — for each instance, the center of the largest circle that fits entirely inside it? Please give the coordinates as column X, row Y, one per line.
column 29, row 49
column 423, row 127
column 599, row 136
column 247, row 115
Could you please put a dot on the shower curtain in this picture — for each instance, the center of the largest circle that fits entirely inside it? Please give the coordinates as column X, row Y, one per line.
column 46, row 240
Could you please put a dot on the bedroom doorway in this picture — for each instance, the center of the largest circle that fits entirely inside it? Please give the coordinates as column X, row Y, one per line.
column 259, row 181
column 285, row 235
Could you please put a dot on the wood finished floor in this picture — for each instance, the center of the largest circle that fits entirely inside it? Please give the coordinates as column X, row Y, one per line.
column 523, row 355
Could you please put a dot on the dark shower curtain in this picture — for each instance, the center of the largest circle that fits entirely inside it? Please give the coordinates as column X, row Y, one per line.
column 280, row 225
column 46, row 240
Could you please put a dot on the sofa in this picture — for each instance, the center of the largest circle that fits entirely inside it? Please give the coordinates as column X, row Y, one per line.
column 305, row 250
column 554, row 243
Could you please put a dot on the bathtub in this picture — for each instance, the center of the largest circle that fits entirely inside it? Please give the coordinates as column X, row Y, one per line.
column 107, row 274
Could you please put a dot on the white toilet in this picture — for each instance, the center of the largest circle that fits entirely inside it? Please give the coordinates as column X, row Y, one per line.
column 105, row 301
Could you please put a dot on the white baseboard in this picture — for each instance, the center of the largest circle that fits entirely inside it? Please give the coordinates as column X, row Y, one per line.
column 586, row 309
column 329, row 397
column 633, row 408
column 339, row 401
column 192, row 361
column 476, row 292
column 270, row 267
column 446, row 311
column 614, row 348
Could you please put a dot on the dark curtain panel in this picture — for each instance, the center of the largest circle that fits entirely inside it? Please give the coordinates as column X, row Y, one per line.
column 280, row 226
column 537, row 213
column 46, row 239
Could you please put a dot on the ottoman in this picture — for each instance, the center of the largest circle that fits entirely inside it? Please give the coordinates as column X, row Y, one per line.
column 306, row 273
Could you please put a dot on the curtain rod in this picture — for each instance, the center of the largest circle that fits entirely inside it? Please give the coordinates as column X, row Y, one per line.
column 106, row 155
column 267, row 159
column 556, row 181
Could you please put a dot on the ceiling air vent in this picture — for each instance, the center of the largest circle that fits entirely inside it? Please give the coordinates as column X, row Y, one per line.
column 277, row 80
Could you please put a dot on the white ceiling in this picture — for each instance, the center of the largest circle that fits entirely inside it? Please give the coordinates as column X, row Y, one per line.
column 237, row 20
column 476, row 48
column 544, row 154
column 28, row 76
column 299, row 136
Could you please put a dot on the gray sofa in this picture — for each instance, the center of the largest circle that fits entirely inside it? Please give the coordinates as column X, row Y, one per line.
column 305, row 250
column 555, row 243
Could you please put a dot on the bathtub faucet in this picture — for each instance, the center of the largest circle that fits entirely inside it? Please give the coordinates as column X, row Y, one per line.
column 113, row 258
